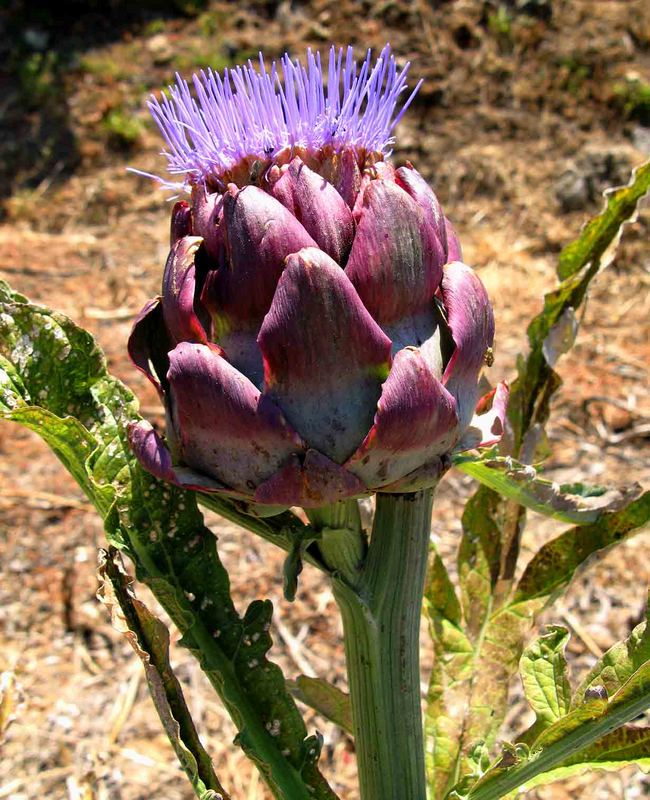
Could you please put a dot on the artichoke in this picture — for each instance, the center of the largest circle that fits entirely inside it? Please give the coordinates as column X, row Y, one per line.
column 318, row 336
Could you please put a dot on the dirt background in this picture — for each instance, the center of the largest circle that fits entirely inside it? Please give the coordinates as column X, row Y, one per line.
column 528, row 110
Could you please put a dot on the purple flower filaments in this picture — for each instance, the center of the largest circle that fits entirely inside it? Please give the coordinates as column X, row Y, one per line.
column 259, row 112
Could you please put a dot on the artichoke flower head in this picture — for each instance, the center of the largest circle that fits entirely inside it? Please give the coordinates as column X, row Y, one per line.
column 317, row 336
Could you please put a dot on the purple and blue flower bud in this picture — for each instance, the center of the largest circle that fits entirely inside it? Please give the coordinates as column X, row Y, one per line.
column 317, row 337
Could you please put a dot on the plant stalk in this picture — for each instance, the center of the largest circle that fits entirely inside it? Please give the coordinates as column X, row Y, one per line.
column 381, row 623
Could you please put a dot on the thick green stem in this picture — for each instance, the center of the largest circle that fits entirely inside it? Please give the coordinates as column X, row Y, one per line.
column 381, row 622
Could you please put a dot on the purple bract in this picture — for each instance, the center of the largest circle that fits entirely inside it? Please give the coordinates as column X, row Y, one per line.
column 317, row 336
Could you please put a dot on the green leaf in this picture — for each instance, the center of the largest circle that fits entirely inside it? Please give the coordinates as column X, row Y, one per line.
column 449, row 688
column 492, row 623
column 451, row 670
column 479, row 558
column 182, row 566
column 536, row 383
column 478, row 762
column 327, row 700
column 573, row 502
column 619, row 663
column 499, row 640
column 600, row 234
column 440, row 598
column 71, row 442
column 496, row 635
column 477, row 648
column 580, row 262
column 624, row 747
column 468, row 695
column 553, row 567
column 57, row 361
column 543, row 670
column 50, row 361
column 455, row 678
column 493, row 633
column 568, row 739
column 150, row 640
